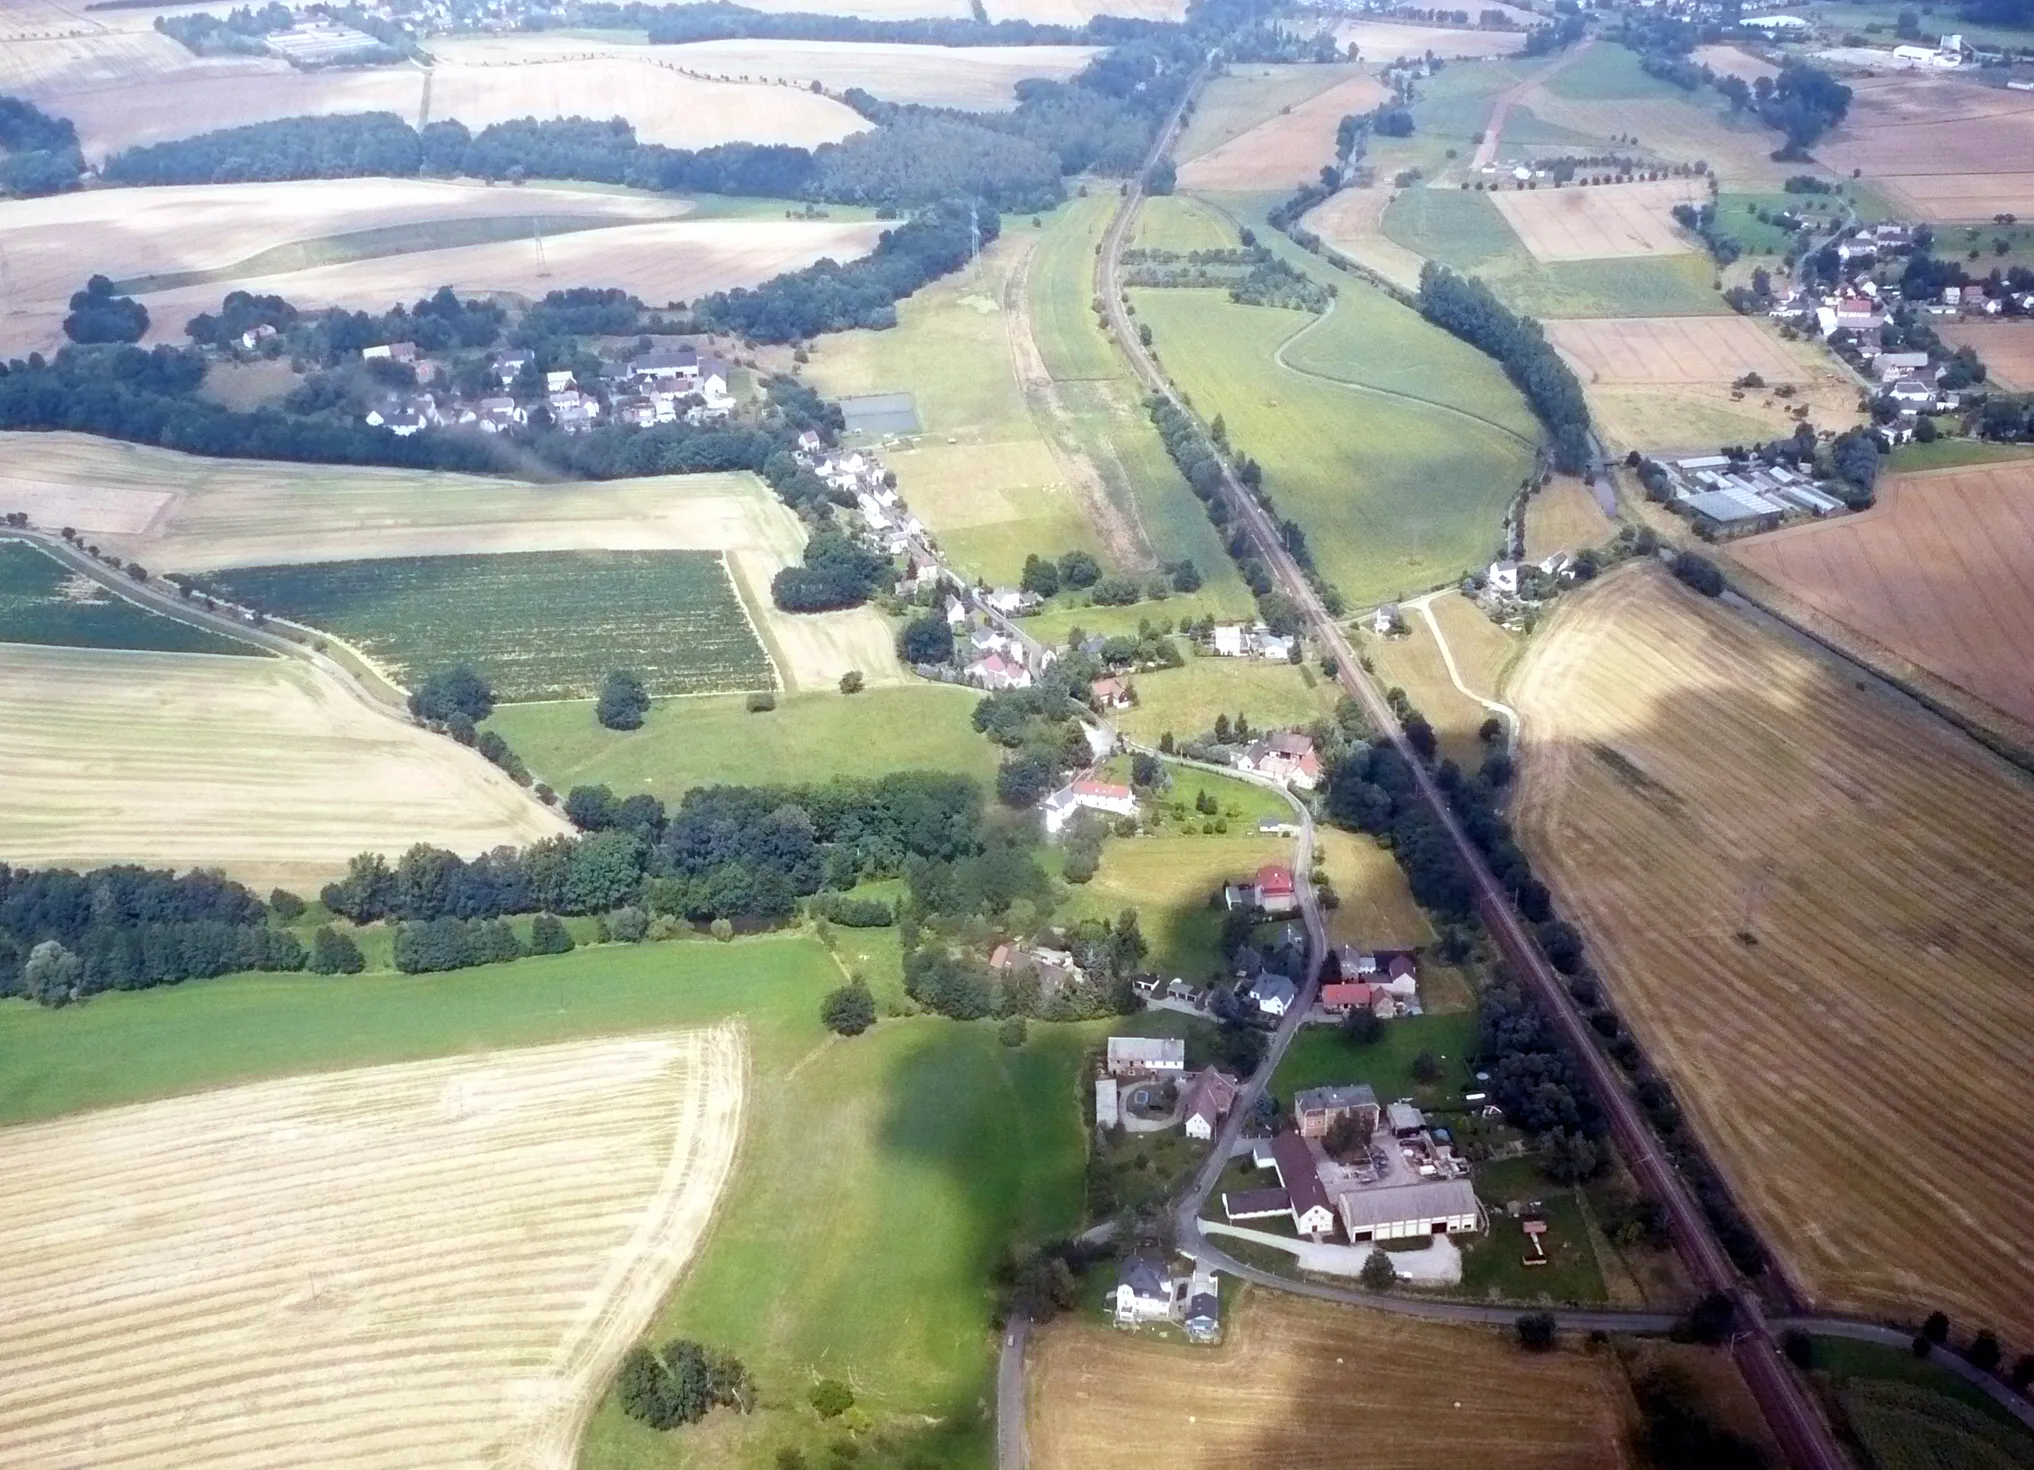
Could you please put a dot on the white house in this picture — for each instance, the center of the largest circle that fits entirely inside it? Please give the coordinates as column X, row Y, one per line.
column 1229, row 640
column 1142, row 1056
column 1145, row 1292
column 1503, row 578
column 1093, row 796
column 1274, row 994
column 1208, row 1101
column 1386, row 621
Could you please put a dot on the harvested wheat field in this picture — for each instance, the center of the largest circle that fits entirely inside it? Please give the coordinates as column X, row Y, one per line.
column 1939, row 148
column 1079, row 12
column 1301, row 1383
column 431, row 1264
column 180, row 512
column 1605, row 222
column 1566, row 516
column 1940, row 571
column 2006, row 347
column 264, row 767
column 1660, row 383
column 1381, row 41
column 1351, row 221
column 54, row 243
column 1285, row 150
column 1809, row 899
column 1731, row 61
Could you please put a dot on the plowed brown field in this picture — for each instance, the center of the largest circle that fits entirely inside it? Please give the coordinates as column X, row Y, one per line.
column 1940, row 148
column 436, row 1264
column 1809, row 899
column 2006, row 347
column 1940, row 571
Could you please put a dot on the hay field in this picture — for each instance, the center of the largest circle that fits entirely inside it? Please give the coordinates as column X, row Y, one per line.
column 264, row 767
column 1858, row 1065
column 1937, row 148
column 1668, row 123
column 975, row 77
column 1565, row 516
column 1287, row 149
column 1381, row 41
column 1352, row 221
column 1658, row 383
column 429, row 1264
column 1605, row 223
column 1311, row 1384
column 176, row 512
column 1731, row 61
column 2006, row 347
column 54, row 243
column 1940, row 571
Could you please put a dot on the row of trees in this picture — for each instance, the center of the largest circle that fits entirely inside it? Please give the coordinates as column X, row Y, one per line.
column 1471, row 311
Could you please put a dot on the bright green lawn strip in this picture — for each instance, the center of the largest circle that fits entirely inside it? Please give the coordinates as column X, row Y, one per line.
column 539, row 625
column 1393, row 495
column 715, row 741
column 1949, row 453
column 1186, row 700
column 124, row 1047
column 1320, row 1057
column 34, row 608
column 1243, row 803
column 1171, row 882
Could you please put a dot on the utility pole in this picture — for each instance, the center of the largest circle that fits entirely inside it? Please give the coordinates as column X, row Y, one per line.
column 537, row 239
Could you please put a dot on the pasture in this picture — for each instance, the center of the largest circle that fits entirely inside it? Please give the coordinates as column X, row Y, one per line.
column 1392, row 444
column 1606, row 222
column 714, row 740
column 180, row 512
column 1171, row 879
column 1401, row 1400
column 1186, row 700
column 296, row 1236
column 1939, row 148
column 1765, row 853
column 2006, row 347
column 1940, row 572
column 43, row 602
column 1374, row 909
column 54, row 243
column 1381, row 41
column 539, row 625
column 1286, row 149
column 263, row 767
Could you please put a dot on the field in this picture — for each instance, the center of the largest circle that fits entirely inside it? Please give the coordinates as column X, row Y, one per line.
column 1938, row 148
column 1912, row 1415
column 1413, row 663
column 1169, row 881
column 1075, row 12
column 297, row 1237
column 1288, row 148
column 1938, row 572
column 1375, row 908
column 1352, row 221
column 1564, row 517
column 1392, row 444
column 1730, row 61
column 1661, row 383
column 1407, row 1395
column 1786, row 873
column 1603, row 223
column 2007, row 350
column 43, row 602
column 260, row 766
column 54, row 243
column 715, row 740
column 177, row 512
column 1380, row 41
column 1187, row 699
column 539, row 625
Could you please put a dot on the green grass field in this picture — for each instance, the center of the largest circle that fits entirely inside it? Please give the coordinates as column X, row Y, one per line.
column 1176, row 222
column 41, row 601
column 714, row 740
column 1395, row 495
column 1493, row 1263
column 540, row 625
column 1249, row 93
column 1930, row 1390
column 1186, row 700
column 1948, row 453
column 1320, row 1057
column 1735, row 218
column 1169, row 881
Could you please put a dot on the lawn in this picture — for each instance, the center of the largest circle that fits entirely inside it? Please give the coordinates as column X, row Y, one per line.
column 538, row 625
column 716, row 741
column 1493, row 1264
column 1947, row 453
column 1171, row 881
column 1243, row 803
column 1394, row 495
column 1056, row 623
column 42, row 601
column 1735, row 217
column 1177, row 222
column 1851, row 1364
column 1320, row 1057
column 1186, row 700
column 1374, row 908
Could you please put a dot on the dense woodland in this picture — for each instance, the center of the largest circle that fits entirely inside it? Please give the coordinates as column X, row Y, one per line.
column 38, row 153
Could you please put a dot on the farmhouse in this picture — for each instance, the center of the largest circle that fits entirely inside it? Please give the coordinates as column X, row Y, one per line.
column 1112, row 693
column 1273, row 993
column 1318, row 1108
column 1086, row 796
column 1299, row 1172
column 1342, row 997
column 1502, row 578
column 1208, row 1101
column 1287, row 757
column 1407, row 1188
column 1276, row 893
column 1721, row 496
column 1145, row 1292
column 1146, row 1056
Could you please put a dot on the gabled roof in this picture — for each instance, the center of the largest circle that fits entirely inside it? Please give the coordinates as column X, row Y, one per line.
column 1299, row 1173
column 1144, row 1278
column 1146, row 1051
column 1274, row 878
column 1323, row 1099
column 1102, row 790
column 1213, row 1093
column 1348, row 993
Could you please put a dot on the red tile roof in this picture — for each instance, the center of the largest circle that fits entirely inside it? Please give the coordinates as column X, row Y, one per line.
column 1102, row 788
column 1347, row 993
column 1272, row 878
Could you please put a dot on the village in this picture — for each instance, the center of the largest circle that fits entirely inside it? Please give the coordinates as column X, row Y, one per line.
column 661, row 386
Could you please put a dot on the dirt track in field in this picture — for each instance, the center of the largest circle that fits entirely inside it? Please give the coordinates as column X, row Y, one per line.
column 432, row 1264
column 1809, row 901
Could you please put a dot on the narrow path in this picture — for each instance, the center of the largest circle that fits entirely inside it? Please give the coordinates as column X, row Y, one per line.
column 1503, row 711
column 1493, row 131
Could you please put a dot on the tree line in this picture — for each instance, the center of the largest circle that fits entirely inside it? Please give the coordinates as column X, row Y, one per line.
column 1471, row 311
column 39, row 154
column 718, row 21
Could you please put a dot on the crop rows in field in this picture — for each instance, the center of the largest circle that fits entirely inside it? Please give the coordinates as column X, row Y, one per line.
column 43, row 602
column 539, row 625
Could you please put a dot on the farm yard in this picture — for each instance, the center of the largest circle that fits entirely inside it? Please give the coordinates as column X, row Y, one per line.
column 1606, row 222
column 298, row 1236
column 1940, row 572
column 1938, row 148
column 1287, row 148
column 43, row 602
column 1407, row 1395
column 538, row 625
column 1782, row 871
column 2006, row 347
column 260, row 766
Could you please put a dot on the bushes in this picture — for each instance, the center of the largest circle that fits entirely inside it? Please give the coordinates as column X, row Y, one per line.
column 548, row 935
column 97, row 315
column 836, row 572
column 623, row 701
column 852, row 913
column 38, row 153
column 1699, row 572
column 681, row 1384
column 334, row 953
column 849, row 1010
column 453, row 944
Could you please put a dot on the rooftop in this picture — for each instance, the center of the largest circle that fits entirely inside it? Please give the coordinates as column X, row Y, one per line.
column 1320, row 1099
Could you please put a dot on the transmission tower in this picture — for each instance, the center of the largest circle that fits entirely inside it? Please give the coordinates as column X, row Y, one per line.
column 537, row 239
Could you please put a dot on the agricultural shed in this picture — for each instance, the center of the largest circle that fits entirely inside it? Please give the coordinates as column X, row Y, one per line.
column 1407, row 1211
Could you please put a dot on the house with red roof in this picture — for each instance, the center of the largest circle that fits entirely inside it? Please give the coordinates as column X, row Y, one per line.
column 1276, row 892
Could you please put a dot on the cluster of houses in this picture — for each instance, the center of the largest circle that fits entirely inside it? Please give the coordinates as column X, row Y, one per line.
column 1393, row 1177
column 1286, row 756
column 1385, row 982
column 1248, row 640
column 1056, row 969
column 1205, row 1098
column 659, row 387
column 887, row 522
column 1729, row 497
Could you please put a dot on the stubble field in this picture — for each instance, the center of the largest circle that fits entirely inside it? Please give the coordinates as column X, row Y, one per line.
column 260, row 766
column 1939, row 148
column 1601, row 223
column 1289, row 147
column 1809, row 901
column 1940, row 571
column 501, row 1227
column 1352, row 221
column 1306, row 1383
column 1379, row 41
column 2007, row 350
column 1566, row 516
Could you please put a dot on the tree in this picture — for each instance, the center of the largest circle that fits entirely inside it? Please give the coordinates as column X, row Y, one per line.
column 1024, row 781
column 1490, row 731
column 97, row 315
column 1567, row 1157
column 623, row 701
column 1711, row 1320
column 832, row 1398
column 1561, row 944
column 1698, row 572
column 334, row 953
column 926, row 639
column 1378, row 1274
column 459, row 690
column 1536, row 1332
column 1361, row 1027
column 51, row 974
column 548, row 935
column 849, row 1010
column 285, row 905
column 1425, row 1068
column 1936, row 1328
column 1077, row 569
column 1012, row 1031
column 851, row 682
column 1347, row 1138
column 1799, row 1348
column 1983, row 1352
column 1040, row 576
column 2023, row 1372
column 1420, row 735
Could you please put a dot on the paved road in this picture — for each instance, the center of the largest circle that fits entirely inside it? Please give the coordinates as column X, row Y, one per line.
column 1795, row 1423
column 1010, row 1447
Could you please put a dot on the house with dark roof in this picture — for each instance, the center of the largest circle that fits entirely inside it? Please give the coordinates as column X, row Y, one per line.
column 1312, row 1213
column 1317, row 1109
column 1145, row 1292
column 1208, row 1101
